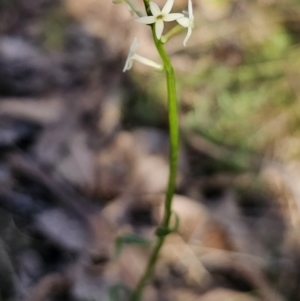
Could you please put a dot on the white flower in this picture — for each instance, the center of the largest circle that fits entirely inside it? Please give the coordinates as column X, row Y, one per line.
column 187, row 22
column 160, row 16
column 133, row 56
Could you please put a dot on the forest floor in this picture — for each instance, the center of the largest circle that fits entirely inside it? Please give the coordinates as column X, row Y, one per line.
column 84, row 155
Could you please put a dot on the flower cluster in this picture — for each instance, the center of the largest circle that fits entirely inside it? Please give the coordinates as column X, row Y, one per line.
column 157, row 17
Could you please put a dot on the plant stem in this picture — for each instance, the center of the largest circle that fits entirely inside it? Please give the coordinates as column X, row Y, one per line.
column 173, row 163
column 173, row 130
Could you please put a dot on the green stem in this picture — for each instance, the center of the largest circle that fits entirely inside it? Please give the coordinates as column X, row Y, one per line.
column 173, row 162
column 173, row 129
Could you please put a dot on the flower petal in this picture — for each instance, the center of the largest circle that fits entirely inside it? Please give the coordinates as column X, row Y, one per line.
column 168, row 6
column 159, row 27
column 185, row 22
column 155, row 10
column 128, row 64
column 146, row 20
column 172, row 17
column 187, row 36
column 190, row 9
column 134, row 46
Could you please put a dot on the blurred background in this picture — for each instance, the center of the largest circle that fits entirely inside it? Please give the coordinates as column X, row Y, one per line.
column 84, row 152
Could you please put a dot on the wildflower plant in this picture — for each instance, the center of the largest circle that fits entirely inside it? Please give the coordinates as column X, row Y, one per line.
column 155, row 18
